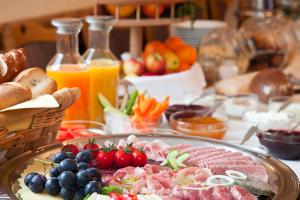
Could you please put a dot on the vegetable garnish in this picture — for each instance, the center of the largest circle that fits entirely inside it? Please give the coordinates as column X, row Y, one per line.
column 131, row 101
column 111, row 188
column 148, row 110
column 236, row 174
column 220, row 180
column 175, row 160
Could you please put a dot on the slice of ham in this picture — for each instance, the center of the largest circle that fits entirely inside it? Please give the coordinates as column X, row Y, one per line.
column 222, row 193
column 225, row 162
column 257, row 171
column 240, row 193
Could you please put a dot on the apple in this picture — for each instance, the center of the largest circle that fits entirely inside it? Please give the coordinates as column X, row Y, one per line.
column 133, row 67
column 150, row 10
column 155, row 63
column 172, row 61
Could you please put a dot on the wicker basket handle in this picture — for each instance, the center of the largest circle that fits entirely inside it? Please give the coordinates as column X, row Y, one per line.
column 67, row 96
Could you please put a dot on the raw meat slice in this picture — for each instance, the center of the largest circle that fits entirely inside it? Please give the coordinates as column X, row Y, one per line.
column 240, row 193
column 195, row 159
column 190, row 175
column 225, row 162
column 179, row 147
column 222, row 193
column 206, row 194
column 257, row 171
column 228, row 154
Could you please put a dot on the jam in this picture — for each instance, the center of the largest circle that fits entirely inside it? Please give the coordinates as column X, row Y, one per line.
column 281, row 143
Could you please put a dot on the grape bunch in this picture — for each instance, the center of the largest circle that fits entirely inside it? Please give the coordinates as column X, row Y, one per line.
column 71, row 177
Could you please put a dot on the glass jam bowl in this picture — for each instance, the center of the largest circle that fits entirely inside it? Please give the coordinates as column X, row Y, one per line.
column 185, row 107
column 79, row 128
column 283, row 144
column 194, row 123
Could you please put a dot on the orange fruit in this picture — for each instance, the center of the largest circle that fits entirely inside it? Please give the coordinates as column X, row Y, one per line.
column 154, row 46
column 174, row 43
column 183, row 66
column 187, row 54
column 125, row 10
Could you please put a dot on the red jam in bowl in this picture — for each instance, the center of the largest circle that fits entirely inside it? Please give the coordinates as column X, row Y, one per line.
column 281, row 143
column 183, row 107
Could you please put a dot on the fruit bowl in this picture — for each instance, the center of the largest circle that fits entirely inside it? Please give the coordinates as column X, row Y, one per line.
column 191, row 81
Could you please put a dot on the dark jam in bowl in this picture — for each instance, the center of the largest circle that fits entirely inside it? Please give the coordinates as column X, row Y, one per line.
column 182, row 107
column 281, row 143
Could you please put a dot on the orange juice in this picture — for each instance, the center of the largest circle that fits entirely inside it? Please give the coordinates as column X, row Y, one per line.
column 73, row 76
column 104, row 76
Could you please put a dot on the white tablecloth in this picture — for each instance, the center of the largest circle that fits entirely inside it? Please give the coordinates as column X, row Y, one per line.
column 235, row 134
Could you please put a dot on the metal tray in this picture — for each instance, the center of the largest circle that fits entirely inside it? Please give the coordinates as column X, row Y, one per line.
column 280, row 174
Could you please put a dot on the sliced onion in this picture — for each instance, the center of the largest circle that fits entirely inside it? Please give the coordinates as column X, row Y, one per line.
column 220, row 180
column 236, row 174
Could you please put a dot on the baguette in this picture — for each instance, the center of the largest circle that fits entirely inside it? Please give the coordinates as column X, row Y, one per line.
column 13, row 93
column 37, row 81
column 11, row 63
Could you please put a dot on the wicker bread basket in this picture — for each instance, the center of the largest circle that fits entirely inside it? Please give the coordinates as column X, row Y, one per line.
column 37, row 127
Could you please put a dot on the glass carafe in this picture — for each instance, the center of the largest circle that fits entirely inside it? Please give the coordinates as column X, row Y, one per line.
column 103, row 65
column 67, row 67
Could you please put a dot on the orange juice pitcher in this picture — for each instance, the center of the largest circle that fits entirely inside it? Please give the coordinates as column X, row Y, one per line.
column 68, row 68
column 103, row 65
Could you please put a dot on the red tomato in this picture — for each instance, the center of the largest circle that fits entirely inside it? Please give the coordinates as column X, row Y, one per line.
column 71, row 148
column 116, row 196
column 94, row 148
column 139, row 158
column 105, row 159
column 123, row 158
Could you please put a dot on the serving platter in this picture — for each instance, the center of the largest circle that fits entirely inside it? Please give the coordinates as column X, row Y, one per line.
column 280, row 175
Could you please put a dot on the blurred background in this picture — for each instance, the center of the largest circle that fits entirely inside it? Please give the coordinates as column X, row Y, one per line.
column 27, row 23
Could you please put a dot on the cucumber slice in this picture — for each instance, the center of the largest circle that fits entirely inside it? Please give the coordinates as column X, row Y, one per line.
column 113, row 110
column 181, row 159
column 103, row 101
column 164, row 163
column 172, row 158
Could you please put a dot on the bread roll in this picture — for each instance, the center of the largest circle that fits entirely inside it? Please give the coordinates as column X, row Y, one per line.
column 236, row 85
column 13, row 93
column 37, row 81
column 11, row 63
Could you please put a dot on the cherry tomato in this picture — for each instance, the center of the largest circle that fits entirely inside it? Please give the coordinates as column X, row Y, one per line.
column 123, row 158
column 130, row 147
column 116, row 196
column 139, row 158
column 105, row 159
column 71, row 148
column 93, row 147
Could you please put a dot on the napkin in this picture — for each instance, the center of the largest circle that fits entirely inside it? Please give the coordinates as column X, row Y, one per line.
column 44, row 101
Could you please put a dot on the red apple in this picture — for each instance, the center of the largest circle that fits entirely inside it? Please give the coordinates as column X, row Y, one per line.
column 155, row 63
column 150, row 10
column 133, row 67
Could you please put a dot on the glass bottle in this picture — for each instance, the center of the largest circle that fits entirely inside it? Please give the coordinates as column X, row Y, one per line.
column 67, row 67
column 103, row 65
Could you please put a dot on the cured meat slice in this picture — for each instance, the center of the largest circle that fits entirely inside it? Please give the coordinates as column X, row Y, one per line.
column 195, row 159
column 179, row 147
column 222, row 193
column 228, row 154
column 257, row 171
column 240, row 193
column 225, row 162
column 206, row 194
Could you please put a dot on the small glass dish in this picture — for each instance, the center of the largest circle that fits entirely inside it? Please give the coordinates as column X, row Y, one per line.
column 122, row 124
column 185, row 107
column 195, row 124
column 276, row 102
column 238, row 105
column 79, row 128
column 281, row 143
